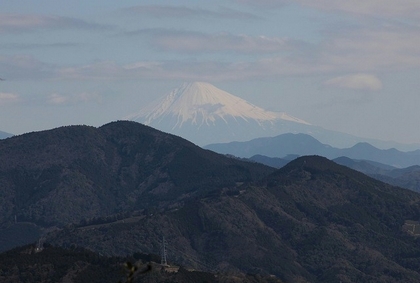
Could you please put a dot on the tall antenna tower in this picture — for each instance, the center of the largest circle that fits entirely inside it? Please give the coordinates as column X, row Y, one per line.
column 163, row 252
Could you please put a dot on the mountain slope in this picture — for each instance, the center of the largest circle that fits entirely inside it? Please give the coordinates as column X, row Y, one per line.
column 311, row 221
column 72, row 173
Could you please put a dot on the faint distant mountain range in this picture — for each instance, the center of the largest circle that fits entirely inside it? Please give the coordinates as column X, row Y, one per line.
column 408, row 178
column 204, row 114
column 4, row 135
column 302, row 144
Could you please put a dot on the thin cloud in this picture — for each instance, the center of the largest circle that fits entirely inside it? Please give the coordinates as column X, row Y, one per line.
column 384, row 8
column 164, row 11
column 190, row 41
column 146, row 70
column 367, row 50
column 11, row 23
column 372, row 8
column 106, row 70
column 193, row 70
column 264, row 3
column 362, row 50
column 24, row 67
column 356, row 82
column 84, row 97
column 24, row 46
column 56, row 98
column 6, row 98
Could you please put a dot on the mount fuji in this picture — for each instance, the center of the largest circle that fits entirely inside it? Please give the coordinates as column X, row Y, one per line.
column 202, row 104
column 205, row 114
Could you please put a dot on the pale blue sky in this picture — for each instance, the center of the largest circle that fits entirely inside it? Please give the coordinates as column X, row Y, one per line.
column 352, row 66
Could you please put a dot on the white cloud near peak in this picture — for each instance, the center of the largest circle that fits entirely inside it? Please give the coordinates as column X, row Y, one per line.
column 56, row 98
column 6, row 97
column 356, row 82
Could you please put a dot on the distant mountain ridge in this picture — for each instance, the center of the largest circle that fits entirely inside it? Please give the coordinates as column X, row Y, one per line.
column 408, row 178
column 4, row 135
column 302, row 144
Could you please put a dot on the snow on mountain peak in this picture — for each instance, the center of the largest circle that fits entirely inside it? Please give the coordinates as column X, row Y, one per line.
column 202, row 103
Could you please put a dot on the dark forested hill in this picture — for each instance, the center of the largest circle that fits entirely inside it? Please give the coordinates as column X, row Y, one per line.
column 74, row 173
column 311, row 221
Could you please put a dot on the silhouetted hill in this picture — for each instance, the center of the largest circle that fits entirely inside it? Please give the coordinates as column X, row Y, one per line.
column 74, row 173
column 278, row 146
column 311, row 221
column 408, row 178
column 365, row 166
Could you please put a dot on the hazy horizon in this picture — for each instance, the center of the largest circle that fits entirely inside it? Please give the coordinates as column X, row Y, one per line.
column 345, row 66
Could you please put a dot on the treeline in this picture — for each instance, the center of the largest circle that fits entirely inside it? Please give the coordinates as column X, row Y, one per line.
column 109, row 218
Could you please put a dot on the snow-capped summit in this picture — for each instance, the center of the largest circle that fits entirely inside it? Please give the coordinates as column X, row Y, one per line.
column 203, row 113
column 202, row 103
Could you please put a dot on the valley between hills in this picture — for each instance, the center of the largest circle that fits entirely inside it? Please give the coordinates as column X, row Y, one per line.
column 92, row 198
